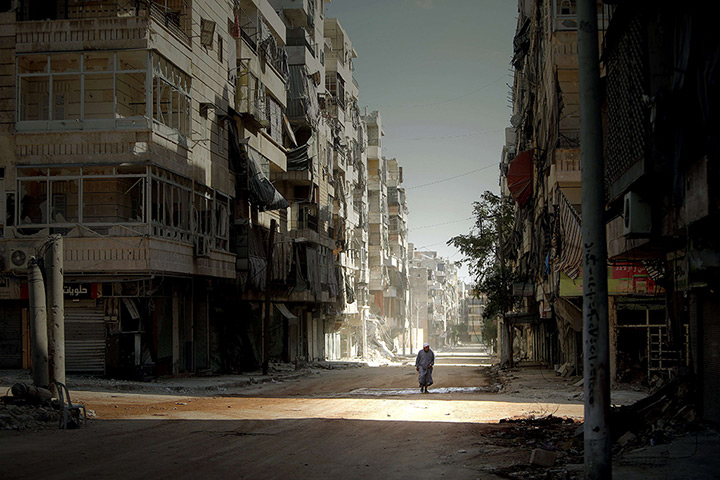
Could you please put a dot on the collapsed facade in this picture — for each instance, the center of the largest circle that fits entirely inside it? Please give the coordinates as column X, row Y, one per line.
column 206, row 166
column 660, row 148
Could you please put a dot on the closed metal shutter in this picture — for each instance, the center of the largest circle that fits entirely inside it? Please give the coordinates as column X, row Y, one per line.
column 711, row 360
column 10, row 335
column 85, row 338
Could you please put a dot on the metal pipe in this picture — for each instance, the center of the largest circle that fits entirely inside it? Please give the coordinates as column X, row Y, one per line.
column 596, row 351
column 55, row 311
column 38, row 325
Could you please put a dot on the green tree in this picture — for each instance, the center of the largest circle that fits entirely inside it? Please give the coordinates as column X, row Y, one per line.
column 490, row 267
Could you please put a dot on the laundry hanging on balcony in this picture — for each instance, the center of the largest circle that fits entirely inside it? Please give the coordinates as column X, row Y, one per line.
column 298, row 159
column 247, row 163
column 520, row 177
column 302, row 96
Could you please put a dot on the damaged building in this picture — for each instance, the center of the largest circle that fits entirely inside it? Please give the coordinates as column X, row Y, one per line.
column 206, row 164
column 658, row 71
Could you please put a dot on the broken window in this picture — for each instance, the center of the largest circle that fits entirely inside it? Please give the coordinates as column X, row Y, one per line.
column 171, row 206
column 67, row 196
column 73, row 91
column 171, row 100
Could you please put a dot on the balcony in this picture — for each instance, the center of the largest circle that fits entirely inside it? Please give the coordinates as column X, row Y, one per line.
column 299, row 12
column 565, row 170
column 132, row 255
column 92, row 26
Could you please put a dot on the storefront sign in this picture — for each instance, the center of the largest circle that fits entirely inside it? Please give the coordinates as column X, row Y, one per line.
column 630, row 279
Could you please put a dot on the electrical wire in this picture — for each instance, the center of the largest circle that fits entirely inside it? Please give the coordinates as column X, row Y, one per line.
column 440, row 224
column 452, row 178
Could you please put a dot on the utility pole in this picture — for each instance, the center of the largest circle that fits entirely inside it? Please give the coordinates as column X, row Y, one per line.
column 38, row 325
column 267, row 311
column 55, row 310
column 596, row 351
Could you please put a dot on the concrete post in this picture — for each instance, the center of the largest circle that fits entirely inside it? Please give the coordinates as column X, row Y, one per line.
column 55, row 311
column 38, row 325
column 267, row 310
column 598, row 455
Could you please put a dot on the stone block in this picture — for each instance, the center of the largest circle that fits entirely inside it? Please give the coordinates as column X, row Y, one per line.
column 543, row 458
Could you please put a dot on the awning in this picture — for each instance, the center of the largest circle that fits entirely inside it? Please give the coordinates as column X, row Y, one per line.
column 520, row 176
column 286, row 313
column 262, row 191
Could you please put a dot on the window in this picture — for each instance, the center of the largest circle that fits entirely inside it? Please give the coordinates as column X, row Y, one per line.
column 567, row 7
column 207, row 32
column 220, row 48
column 171, row 100
column 67, row 91
column 66, row 196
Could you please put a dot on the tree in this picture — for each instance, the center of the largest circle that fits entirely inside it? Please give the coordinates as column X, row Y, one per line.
column 490, row 265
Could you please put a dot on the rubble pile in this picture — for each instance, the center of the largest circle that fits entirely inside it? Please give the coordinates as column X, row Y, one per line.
column 18, row 414
column 656, row 419
column 552, row 450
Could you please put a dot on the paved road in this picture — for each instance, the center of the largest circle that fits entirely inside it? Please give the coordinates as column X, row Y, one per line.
column 352, row 423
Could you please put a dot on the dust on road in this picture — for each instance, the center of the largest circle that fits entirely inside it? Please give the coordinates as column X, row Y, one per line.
column 355, row 423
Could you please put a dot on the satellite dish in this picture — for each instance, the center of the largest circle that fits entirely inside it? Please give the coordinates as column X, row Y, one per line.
column 515, row 120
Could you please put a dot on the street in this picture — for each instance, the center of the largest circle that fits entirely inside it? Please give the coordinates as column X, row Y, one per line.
column 346, row 423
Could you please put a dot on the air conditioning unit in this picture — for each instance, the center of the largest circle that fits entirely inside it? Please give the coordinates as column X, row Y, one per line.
column 17, row 259
column 202, row 247
column 637, row 216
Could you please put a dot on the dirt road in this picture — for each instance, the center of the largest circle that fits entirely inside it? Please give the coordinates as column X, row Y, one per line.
column 367, row 422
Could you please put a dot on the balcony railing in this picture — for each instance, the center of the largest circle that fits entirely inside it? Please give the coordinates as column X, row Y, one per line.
column 174, row 15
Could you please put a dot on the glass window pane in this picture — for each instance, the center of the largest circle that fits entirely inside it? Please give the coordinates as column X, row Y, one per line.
column 64, row 171
column 34, row 98
column 99, row 97
column 112, row 200
column 129, row 169
column 64, row 203
column 98, row 170
column 129, row 199
column 33, row 202
column 130, row 94
column 65, row 62
column 98, row 61
column 66, row 97
column 132, row 60
column 32, row 63
column 32, row 172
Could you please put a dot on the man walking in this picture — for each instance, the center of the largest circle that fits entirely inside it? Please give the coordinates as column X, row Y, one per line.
column 424, row 365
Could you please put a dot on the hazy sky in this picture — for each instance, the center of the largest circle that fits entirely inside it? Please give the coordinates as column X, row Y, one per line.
column 437, row 70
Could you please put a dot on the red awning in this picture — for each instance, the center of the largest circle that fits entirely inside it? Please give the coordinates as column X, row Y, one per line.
column 520, row 176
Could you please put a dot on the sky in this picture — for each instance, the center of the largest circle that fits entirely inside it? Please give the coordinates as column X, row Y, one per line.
column 438, row 73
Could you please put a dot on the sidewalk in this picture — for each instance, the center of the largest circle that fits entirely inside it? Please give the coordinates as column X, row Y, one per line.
column 181, row 384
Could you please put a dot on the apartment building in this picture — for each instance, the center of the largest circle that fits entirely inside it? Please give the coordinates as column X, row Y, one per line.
column 114, row 135
column 648, row 336
column 434, row 297
column 540, row 172
column 397, row 296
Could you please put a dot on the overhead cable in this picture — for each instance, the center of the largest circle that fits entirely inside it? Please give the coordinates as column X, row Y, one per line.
column 452, row 178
